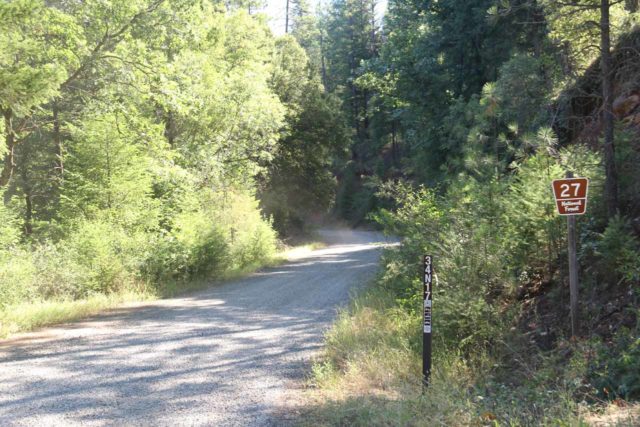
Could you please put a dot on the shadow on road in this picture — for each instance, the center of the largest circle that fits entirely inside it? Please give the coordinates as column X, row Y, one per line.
column 220, row 356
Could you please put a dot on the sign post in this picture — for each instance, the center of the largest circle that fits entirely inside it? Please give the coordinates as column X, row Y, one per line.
column 571, row 200
column 426, row 333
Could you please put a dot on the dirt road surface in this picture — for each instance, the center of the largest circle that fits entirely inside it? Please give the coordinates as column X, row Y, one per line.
column 219, row 357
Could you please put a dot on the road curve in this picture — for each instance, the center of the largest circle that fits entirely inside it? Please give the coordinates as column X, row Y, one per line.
column 219, row 357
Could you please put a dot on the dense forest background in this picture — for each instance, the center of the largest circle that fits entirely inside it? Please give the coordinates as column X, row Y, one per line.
column 149, row 143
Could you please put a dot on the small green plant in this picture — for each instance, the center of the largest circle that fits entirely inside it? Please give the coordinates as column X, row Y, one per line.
column 615, row 373
column 619, row 251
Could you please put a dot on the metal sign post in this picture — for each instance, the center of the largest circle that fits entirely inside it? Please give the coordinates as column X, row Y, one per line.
column 571, row 200
column 426, row 335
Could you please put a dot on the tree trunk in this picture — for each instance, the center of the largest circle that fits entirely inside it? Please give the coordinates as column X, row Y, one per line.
column 10, row 141
column 611, row 176
column 57, row 141
column 169, row 119
column 632, row 5
column 322, row 61
column 373, row 29
column 286, row 19
column 28, row 202
column 394, row 144
column 170, row 128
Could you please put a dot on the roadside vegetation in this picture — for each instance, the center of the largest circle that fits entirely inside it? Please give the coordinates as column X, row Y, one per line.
column 462, row 115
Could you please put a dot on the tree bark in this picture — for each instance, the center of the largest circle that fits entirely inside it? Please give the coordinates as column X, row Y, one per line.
column 57, row 141
column 286, row 20
column 28, row 202
column 170, row 128
column 10, row 141
column 322, row 62
column 611, row 175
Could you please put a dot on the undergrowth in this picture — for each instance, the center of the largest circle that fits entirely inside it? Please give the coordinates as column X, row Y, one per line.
column 503, row 353
column 102, row 263
column 33, row 314
column 371, row 375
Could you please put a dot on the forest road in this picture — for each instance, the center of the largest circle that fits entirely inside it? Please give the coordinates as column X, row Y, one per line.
column 218, row 357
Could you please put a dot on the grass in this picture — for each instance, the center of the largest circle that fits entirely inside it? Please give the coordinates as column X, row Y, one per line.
column 370, row 375
column 32, row 315
column 29, row 316
column 615, row 415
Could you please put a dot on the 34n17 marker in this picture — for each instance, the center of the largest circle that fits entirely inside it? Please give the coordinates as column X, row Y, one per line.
column 426, row 332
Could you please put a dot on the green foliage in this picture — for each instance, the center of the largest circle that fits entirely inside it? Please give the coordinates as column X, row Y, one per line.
column 627, row 159
column 194, row 248
column 108, row 174
column 370, row 374
column 355, row 197
column 298, row 183
column 614, row 373
column 459, row 129
column 36, row 44
column 9, row 232
column 16, row 272
column 469, row 270
column 133, row 135
column 522, row 92
column 619, row 251
column 486, row 234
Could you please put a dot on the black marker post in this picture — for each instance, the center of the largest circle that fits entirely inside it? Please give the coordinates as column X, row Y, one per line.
column 426, row 335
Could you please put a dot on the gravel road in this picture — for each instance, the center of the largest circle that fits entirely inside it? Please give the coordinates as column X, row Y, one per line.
column 220, row 357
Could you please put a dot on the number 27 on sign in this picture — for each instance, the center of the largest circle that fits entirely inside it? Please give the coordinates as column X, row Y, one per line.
column 571, row 195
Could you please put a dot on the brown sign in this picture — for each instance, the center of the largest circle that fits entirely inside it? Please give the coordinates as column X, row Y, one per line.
column 571, row 195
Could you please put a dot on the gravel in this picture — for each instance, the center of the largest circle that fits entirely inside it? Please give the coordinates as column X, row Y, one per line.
column 222, row 357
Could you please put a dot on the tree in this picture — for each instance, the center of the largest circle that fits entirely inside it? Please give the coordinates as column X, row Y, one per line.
column 611, row 174
column 583, row 14
column 298, row 183
column 36, row 44
column 306, row 30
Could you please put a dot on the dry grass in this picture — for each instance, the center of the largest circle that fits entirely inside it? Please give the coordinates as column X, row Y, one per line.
column 370, row 375
column 29, row 316
column 617, row 414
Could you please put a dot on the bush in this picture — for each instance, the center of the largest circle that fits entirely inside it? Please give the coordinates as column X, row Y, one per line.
column 225, row 233
column 252, row 239
column 57, row 273
column 467, row 270
column 9, row 231
column 200, row 248
column 218, row 235
column 16, row 277
column 615, row 372
column 619, row 251
column 104, row 255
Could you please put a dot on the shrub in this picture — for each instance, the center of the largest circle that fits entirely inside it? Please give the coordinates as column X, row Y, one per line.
column 218, row 234
column 252, row 239
column 466, row 273
column 619, row 250
column 615, row 372
column 57, row 273
column 225, row 233
column 101, row 252
column 16, row 277
column 9, row 231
